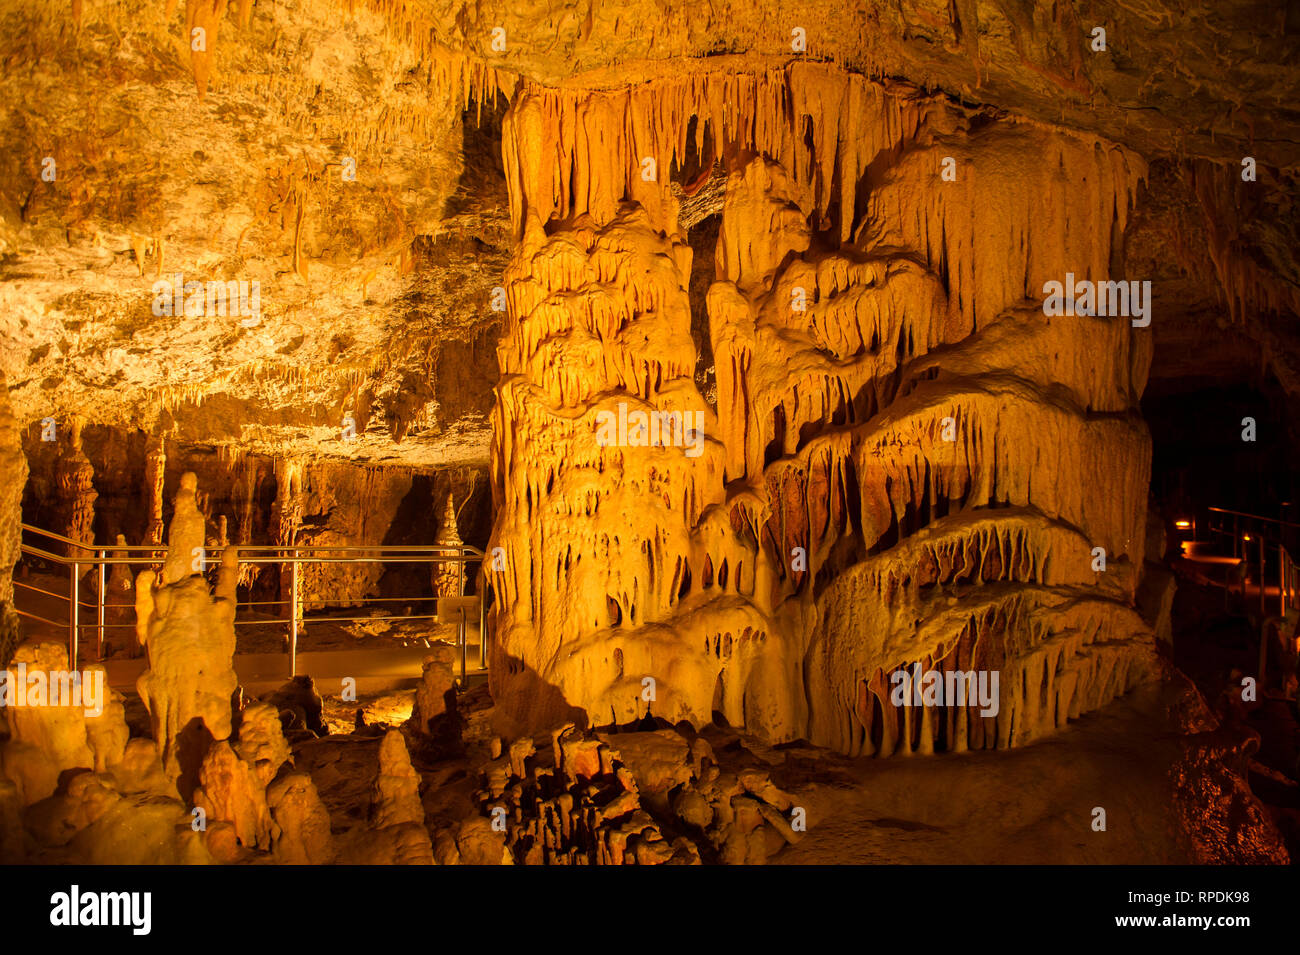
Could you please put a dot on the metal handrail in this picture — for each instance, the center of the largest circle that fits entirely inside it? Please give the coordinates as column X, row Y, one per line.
column 1288, row 573
column 452, row 552
column 1253, row 517
column 58, row 537
column 101, row 557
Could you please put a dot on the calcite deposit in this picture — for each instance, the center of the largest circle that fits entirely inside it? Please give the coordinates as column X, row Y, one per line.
column 188, row 634
column 231, row 792
column 399, row 835
column 448, row 576
column 119, row 599
column 47, row 739
column 302, row 822
column 76, row 488
column 869, row 453
column 588, row 800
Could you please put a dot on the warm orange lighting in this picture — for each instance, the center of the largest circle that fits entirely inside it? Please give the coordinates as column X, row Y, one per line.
column 1245, row 537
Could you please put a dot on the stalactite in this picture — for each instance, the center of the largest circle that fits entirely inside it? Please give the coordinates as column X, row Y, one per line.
column 203, row 15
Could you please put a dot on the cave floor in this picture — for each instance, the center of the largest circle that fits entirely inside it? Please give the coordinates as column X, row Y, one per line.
column 1035, row 804
column 1031, row 805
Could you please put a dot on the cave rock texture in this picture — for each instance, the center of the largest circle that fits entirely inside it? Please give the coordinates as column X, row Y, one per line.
column 731, row 362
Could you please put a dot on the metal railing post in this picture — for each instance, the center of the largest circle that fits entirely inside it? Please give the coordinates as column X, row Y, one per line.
column 74, row 600
column 1263, row 607
column 464, row 650
column 103, row 582
column 1291, row 584
column 482, row 622
column 1281, row 580
column 293, row 621
column 289, row 557
column 1263, row 621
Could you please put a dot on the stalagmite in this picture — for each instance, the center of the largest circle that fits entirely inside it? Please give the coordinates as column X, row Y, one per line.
column 261, row 741
column 189, row 637
column 397, row 796
column 230, row 792
column 448, row 575
column 77, row 494
column 288, row 520
column 55, row 732
column 304, row 836
column 119, row 602
column 187, row 535
column 399, row 830
column 154, row 473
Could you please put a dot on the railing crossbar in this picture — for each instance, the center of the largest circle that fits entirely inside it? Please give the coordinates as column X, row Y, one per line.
column 288, row 556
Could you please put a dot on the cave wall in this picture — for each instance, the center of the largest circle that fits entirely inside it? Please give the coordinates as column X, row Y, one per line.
column 13, row 468
column 313, row 155
column 922, row 300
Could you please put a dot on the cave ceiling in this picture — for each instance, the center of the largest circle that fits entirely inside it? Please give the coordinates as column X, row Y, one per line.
column 377, row 291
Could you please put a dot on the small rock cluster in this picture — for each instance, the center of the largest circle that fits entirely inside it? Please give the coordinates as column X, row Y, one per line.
column 643, row 798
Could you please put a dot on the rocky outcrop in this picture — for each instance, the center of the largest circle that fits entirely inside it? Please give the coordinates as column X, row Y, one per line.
column 13, row 476
column 397, row 834
column 302, row 821
column 56, row 722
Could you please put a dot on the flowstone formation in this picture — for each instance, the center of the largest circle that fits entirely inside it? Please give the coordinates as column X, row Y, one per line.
column 912, row 464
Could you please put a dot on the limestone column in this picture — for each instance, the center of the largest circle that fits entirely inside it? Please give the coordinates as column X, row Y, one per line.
column 447, row 574
column 594, row 510
column 74, row 478
column 155, row 466
column 287, row 515
column 118, row 604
